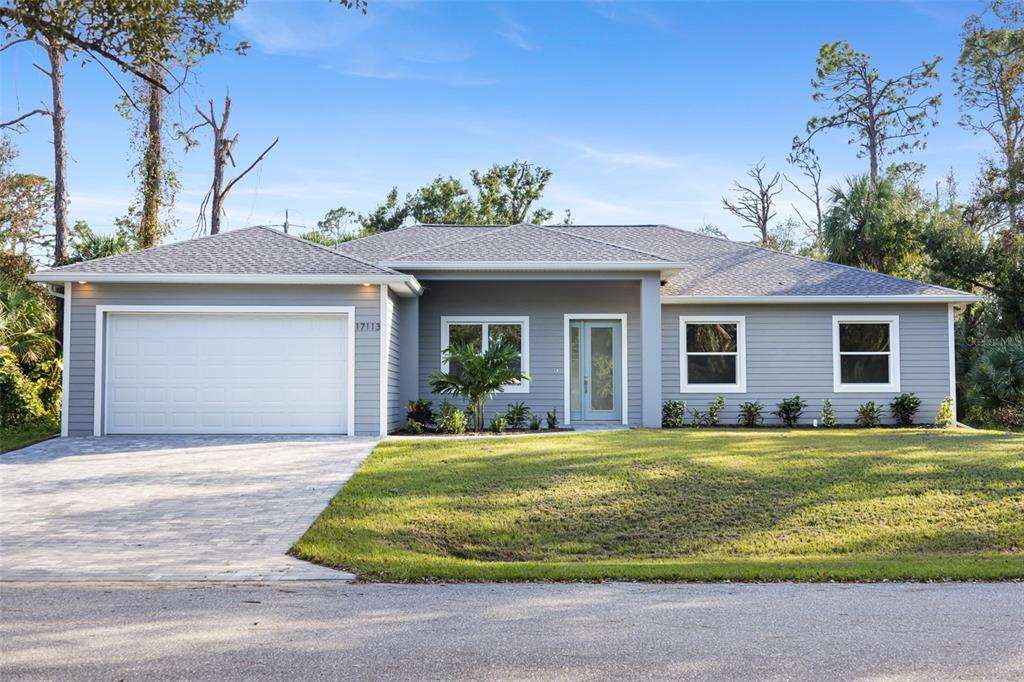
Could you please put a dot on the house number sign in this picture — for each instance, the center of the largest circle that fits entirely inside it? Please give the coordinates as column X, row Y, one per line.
column 367, row 326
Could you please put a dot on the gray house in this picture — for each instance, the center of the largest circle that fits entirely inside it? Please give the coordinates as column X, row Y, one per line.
column 255, row 331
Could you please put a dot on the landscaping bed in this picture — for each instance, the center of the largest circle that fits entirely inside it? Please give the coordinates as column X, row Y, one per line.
column 695, row 504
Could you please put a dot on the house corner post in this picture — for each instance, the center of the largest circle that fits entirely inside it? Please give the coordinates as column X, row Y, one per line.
column 650, row 345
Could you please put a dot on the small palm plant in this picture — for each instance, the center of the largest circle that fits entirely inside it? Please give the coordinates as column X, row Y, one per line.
column 476, row 377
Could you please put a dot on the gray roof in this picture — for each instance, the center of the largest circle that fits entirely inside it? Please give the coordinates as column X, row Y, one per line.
column 248, row 251
column 522, row 243
column 712, row 266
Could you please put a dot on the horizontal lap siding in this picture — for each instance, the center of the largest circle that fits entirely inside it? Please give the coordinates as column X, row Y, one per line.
column 85, row 298
column 396, row 410
column 546, row 304
column 789, row 352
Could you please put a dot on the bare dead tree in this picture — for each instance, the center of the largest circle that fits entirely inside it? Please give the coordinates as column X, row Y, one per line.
column 223, row 148
column 807, row 161
column 754, row 204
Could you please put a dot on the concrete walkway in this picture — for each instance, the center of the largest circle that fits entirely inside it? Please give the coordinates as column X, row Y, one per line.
column 332, row 631
column 168, row 507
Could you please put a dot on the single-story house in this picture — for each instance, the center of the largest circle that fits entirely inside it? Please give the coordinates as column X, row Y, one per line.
column 257, row 331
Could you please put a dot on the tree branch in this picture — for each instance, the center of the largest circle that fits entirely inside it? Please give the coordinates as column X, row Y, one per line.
column 15, row 122
column 241, row 175
column 52, row 31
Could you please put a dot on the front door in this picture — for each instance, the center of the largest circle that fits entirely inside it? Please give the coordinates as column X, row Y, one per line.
column 595, row 378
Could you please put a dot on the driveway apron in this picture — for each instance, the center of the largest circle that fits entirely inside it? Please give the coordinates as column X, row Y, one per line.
column 168, row 507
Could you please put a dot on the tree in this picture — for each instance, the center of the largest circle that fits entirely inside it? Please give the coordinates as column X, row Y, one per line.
column 754, row 204
column 990, row 83
column 884, row 115
column 223, row 147
column 806, row 160
column 25, row 207
column 872, row 225
column 477, row 377
column 339, row 225
column 505, row 195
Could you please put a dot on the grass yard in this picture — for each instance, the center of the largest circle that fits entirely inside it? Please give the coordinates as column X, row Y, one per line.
column 32, row 431
column 708, row 504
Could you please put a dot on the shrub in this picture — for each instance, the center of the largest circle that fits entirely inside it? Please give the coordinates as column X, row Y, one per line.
column 903, row 408
column 499, row 423
column 869, row 415
column 552, row 419
column 421, row 411
column 945, row 416
column 997, row 378
column 1009, row 416
column 479, row 377
column 790, row 410
column 828, row 414
column 451, row 419
column 516, row 415
column 672, row 414
column 698, row 417
column 751, row 413
column 413, row 427
column 19, row 396
column 47, row 378
column 535, row 423
column 715, row 411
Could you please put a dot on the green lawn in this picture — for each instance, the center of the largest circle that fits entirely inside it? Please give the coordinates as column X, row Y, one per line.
column 708, row 504
column 32, row 431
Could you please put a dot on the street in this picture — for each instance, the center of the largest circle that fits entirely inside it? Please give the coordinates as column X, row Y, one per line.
column 332, row 630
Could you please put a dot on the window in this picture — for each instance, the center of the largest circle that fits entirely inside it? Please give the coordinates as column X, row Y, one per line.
column 712, row 355
column 482, row 332
column 866, row 353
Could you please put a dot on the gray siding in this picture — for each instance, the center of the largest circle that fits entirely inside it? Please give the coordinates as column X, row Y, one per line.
column 396, row 409
column 789, row 352
column 86, row 297
column 545, row 303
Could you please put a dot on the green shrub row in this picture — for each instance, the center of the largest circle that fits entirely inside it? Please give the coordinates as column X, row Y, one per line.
column 449, row 419
column 25, row 396
column 903, row 409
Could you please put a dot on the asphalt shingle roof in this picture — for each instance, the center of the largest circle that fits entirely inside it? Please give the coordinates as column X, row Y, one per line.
column 719, row 267
column 525, row 243
column 713, row 266
column 248, row 251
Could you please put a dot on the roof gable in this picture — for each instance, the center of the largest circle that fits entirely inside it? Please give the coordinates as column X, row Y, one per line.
column 258, row 251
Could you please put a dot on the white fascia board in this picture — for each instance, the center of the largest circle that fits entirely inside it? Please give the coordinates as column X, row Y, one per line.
column 911, row 298
column 190, row 278
column 583, row 266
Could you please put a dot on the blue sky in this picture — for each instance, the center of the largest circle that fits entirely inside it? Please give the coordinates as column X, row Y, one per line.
column 644, row 111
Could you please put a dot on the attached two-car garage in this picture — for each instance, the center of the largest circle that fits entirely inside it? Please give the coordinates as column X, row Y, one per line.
column 225, row 370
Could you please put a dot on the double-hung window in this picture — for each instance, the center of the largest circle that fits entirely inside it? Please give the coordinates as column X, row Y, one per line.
column 866, row 353
column 482, row 333
column 712, row 354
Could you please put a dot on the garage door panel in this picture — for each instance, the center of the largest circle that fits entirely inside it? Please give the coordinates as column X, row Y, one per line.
column 232, row 373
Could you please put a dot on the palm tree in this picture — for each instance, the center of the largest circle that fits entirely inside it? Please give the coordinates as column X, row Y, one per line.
column 26, row 322
column 477, row 377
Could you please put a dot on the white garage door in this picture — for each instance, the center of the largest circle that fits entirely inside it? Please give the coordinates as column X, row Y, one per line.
column 226, row 373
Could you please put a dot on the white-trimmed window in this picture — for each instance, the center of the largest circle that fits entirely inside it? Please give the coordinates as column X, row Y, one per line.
column 866, row 353
column 712, row 355
column 481, row 332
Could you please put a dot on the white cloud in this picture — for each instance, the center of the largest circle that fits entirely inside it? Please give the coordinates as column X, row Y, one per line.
column 514, row 32
column 619, row 158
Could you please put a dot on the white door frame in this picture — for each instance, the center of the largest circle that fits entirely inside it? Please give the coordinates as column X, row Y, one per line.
column 101, row 319
column 623, row 351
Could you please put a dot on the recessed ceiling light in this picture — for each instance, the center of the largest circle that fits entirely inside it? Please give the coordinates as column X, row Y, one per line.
column 82, row 282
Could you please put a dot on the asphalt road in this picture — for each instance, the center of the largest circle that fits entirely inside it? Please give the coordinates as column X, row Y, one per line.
column 324, row 630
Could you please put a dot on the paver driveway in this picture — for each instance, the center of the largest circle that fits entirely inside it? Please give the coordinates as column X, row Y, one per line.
column 168, row 507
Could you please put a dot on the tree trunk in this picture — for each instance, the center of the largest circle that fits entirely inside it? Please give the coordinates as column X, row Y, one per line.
column 152, row 165
column 60, row 155
column 55, row 52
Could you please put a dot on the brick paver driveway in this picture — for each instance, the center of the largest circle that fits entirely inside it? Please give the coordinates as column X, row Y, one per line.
column 168, row 507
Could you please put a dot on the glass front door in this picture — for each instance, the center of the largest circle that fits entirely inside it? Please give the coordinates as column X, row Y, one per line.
column 595, row 370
